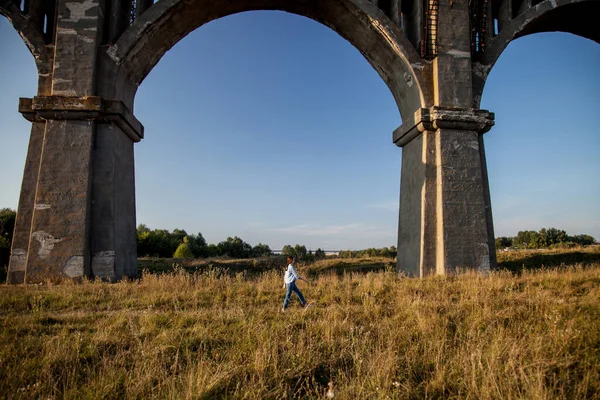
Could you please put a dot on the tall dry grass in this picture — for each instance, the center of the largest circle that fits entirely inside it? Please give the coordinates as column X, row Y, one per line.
column 374, row 335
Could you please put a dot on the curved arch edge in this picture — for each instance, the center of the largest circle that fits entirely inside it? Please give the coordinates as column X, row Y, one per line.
column 145, row 42
column 518, row 27
column 32, row 37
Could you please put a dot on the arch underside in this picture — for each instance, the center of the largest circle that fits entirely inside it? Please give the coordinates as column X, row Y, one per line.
column 372, row 33
column 578, row 17
column 25, row 27
column 33, row 39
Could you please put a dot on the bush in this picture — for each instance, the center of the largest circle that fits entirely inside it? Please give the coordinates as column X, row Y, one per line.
column 183, row 250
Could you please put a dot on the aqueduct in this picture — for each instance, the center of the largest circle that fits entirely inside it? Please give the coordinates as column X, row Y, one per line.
column 76, row 214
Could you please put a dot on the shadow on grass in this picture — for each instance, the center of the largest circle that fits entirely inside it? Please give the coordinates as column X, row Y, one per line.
column 342, row 268
column 248, row 267
column 535, row 261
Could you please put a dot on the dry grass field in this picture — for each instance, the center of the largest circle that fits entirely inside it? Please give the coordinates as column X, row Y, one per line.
column 371, row 334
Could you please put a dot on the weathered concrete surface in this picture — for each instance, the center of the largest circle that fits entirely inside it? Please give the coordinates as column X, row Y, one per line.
column 452, row 66
column 444, row 202
column 113, row 208
column 412, row 182
column 59, row 239
column 461, row 203
column 20, row 243
column 76, row 214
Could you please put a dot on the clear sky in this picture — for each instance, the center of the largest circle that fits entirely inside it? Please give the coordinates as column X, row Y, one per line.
column 271, row 127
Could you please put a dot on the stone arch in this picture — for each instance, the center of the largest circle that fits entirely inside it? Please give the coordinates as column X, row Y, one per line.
column 571, row 16
column 366, row 27
column 35, row 42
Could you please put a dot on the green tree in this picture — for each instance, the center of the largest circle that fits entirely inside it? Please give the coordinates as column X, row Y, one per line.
column 261, row 250
column 235, row 248
column 198, row 245
column 527, row 240
column 176, row 237
column 552, row 236
column 212, row 250
column 183, row 250
column 157, row 242
column 319, row 253
column 503, row 242
column 4, row 243
column 142, row 228
column 300, row 252
column 385, row 252
column 288, row 250
column 7, row 225
column 583, row 240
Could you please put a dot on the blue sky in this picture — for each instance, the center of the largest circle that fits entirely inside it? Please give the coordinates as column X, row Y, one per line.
column 271, row 127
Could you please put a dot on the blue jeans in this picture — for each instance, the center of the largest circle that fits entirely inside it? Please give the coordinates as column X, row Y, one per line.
column 291, row 287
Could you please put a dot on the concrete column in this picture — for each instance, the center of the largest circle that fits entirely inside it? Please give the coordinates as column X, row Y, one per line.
column 59, row 236
column 452, row 66
column 113, row 207
column 445, row 215
column 20, row 244
column 76, row 213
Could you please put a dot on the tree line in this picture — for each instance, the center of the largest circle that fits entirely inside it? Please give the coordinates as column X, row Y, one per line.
column 180, row 244
column 543, row 239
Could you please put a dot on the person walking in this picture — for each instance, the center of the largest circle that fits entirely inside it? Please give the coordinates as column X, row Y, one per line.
column 289, row 283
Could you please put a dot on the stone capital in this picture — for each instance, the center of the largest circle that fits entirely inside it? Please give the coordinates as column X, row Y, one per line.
column 88, row 108
column 434, row 118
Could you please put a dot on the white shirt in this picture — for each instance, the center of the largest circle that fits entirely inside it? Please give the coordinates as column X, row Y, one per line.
column 290, row 275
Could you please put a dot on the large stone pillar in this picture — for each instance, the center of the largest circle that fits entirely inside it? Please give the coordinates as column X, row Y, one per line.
column 77, row 208
column 59, row 238
column 445, row 215
column 21, row 236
